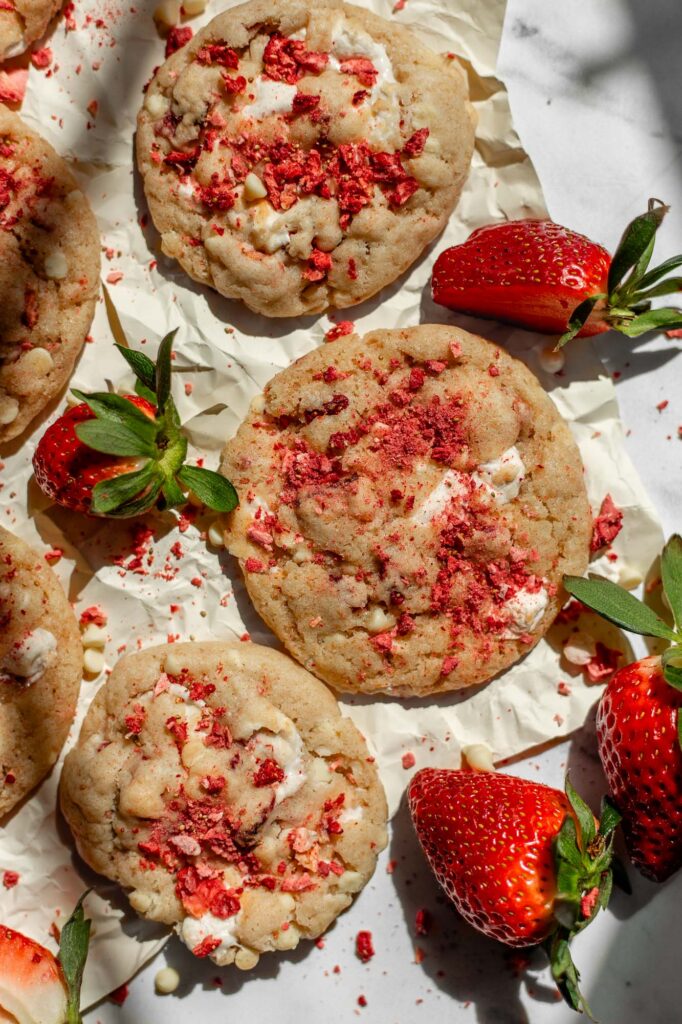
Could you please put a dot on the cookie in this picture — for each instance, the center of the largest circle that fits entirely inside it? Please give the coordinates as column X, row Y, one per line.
column 41, row 665
column 219, row 784
column 409, row 503
column 49, row 273
column 22, row 22
column 299, row 156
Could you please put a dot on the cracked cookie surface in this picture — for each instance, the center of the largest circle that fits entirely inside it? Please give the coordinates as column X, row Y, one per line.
column 49, row 273
column 409, row 503
column 41, row 659
column 22, row 22
column 219, row 784
column 300, row 156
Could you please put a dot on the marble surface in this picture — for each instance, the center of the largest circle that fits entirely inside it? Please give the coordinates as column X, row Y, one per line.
column 595, row 87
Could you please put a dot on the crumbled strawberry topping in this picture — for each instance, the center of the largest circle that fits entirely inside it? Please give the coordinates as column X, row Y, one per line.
column 364, row 948
column 218, row 53
column 603, row 664
column 362, row 69
column 206, row 947
column 234, row 84
column 304, row 103
column 134, row 722
column 607, row 525
column 416, row 142
column 268, row 773
column 319, row 265
column 10, row 879
column 408, row 760
column 288, row 60
column 178, row 37
column 339, row 330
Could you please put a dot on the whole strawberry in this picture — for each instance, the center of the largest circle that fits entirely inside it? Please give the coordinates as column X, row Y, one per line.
column 550, row 279
column 119, row 456
column 639, row 725
column 522, row 862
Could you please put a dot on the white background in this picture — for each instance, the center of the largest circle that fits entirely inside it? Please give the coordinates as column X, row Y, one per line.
column 596, row 93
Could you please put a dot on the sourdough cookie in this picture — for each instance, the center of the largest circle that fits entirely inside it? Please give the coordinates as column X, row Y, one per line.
column 299, row 156
column 219, row 783
column 410, row 501
column 49, row 273
column 41, row 665
column 22, row 22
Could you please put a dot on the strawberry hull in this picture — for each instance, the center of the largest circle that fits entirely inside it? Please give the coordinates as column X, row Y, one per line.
column 642, row 760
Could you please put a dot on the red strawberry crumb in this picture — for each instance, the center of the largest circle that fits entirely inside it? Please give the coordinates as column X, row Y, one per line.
column 206, row 947
column 93, row 108
column 493, row 370
column 41, row 58
column 93, row 614
column 422, row 922
column 135, row 721
column 563, row 688
column 269, row 772
column 255, row 565
column 119, row 995
column 114, row 276
column 382, row 642
column 178, row 37
column 607, row 525
column 408, row 760
column 352, row 270
column 663, row 405
column 676, row 333
column 364, row 949
column 10, row 879
column 450, row 663
column 189, row 387
column 362, row 1001
column 589, row 901
column 340, row 330
column 53, row 555
column 419, row 955
column 415, row 144
column 319, row 265
column 391, row 866
column 603, row 664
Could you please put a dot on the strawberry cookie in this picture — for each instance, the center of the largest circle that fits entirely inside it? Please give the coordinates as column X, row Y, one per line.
column 299, row 156
column 219, row 783
column 49, row 273
column 409, row 502
column 22, row 22
column 41, row 660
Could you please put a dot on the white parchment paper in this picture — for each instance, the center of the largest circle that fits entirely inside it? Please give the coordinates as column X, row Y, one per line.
column 153, row 590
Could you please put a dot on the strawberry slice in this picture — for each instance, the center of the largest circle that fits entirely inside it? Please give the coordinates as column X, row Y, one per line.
column 548, row 278
column 32, row 985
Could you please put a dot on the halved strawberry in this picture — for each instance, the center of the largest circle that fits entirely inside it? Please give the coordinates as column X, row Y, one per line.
column 119, row 456
column 523, row 863
column 32, row 985
column 36, row 988
column 548, row 278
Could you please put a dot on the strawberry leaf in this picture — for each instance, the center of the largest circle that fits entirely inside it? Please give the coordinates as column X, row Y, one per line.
column 584, row 816
column 138, row 505
column 567, row 842
column 73, row 952
column 108, row 495
column 609, row 817
column 213, row 489
column 655, row 319
column 173, row 494
column 660, row 271
column 672, row 667
column 618, row 606
column 671, row 575
column 114, row 438
column 565, row 973
column 116, row 409
column 163, row 369
column 668, row 287
column 578, row 319
column 636, row 239
column 141, row 365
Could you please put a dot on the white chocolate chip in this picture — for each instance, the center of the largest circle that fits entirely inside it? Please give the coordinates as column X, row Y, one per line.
column 379, row 620
column 9, row 410
column 286, row 938
column 246, row 959
column 257, row 404
column 254, row 187
column 216, row 536
column 350, row 881
column 479, row 756
column 172, row 664
column 190, row 8
column 166, row 981
column 156, row 104
column 93, row 661
column 301, row 554
column 56, row 266
column 37, row 361
column 551, row 360
column 94, row 636
column 579, row 649
column 167, row 15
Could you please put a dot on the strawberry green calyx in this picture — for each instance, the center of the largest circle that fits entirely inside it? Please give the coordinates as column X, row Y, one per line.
column 73, row 952
column 626, row 305
column 625, row 610
column 147, row 430
column 583, row 854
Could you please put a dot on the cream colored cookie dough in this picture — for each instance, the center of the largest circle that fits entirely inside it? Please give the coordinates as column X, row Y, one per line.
column 40, row 669
column 49, row 273
column 299, row 156
column 22, row 22
column 409, row 503
column 220, row 785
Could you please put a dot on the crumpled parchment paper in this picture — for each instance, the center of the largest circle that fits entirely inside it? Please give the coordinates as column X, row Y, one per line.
column 227, row 354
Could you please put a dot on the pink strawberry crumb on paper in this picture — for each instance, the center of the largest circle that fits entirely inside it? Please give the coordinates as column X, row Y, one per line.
column 663, row 405
column 339, row 330
column 95, row 614
column 408, row 760
column 10, row 879
column 119, row 995
column 364, row 947
column 42, row 58
column 563, row 688
column 607, row 525
column 93, row 108
column 53, row 555
column 603, row 664
column 114, row 276
column 13, row 85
